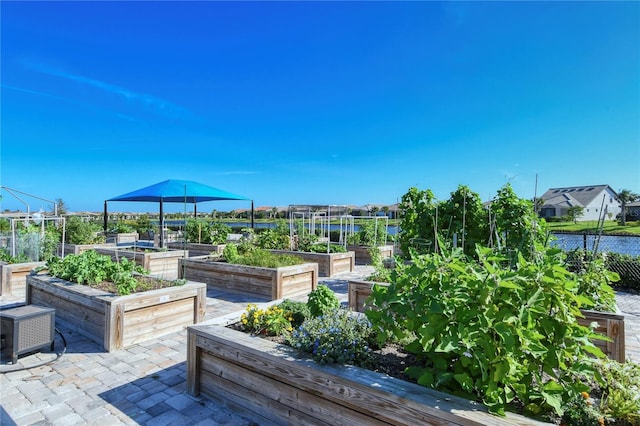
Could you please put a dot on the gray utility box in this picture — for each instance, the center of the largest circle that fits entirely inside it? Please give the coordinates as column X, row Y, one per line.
column 26, row 329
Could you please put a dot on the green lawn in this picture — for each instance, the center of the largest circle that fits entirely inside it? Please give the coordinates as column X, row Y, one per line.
column 610, row 227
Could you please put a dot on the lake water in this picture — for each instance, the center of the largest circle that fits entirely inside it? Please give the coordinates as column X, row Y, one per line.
column 620, row 244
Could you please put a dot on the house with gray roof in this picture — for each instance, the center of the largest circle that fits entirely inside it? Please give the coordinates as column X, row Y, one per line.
column 594, row 199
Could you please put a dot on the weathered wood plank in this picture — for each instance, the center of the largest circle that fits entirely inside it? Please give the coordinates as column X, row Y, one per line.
column 296, row 407
column 329, row 264
column 13, row 276
column 111, row 320
column 273, row 283
column 610, row 325
column 366, row 393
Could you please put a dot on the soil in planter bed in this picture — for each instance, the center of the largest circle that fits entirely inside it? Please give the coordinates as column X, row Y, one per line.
column 144, row 284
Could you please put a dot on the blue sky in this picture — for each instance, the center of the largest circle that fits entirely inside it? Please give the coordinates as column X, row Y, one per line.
column 316, row 103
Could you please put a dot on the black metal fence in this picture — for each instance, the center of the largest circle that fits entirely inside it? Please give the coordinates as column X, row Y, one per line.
column 621, row 254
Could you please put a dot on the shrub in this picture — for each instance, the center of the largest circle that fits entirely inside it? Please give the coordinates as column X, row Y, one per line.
column 322, row 301
column 340, row 337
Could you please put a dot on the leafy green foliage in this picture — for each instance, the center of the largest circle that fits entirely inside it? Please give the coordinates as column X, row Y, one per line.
column 322, row 301
column 121, row 228
column 516, row 227
column 370, row 233
column 143, row 224
column 91, row 268
column 299, row 311
column 79, row 231
column 463, row 215
column 274, row 238
column 5, row 256
column 428, row 226
column 254, row 256
column 485, row 330
column 579, row 411
column 338, row 337
column 206, row 232
column 621, row 390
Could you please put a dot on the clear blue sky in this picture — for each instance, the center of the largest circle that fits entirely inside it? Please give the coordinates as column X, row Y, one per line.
column 317, row 103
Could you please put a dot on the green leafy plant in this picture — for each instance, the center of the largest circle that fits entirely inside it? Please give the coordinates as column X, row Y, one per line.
column 276, row 238
column 298, row 311
column 258, row 257
column 369, row 233
column 206, row 232
column 484, row 330
column 339, row 337
column 79, row 231
column 620, row 391
column 322, row 301
column 91, row 268
column 5, row 256
column 121, row 228
column 580, row 411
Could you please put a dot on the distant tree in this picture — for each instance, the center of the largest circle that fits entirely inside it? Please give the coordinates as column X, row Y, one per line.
column 385, row 209
column 574, row 212
column 626, row 196
column 274, row 212
column 213, row 213
column 375, row 210
column 61, row 207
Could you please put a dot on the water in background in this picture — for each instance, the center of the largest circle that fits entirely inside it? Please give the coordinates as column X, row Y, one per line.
column 608, row 243
column 619, row 244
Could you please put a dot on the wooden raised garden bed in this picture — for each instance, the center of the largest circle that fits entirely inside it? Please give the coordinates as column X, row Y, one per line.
column 123, row 237
column 159, row 263
column 117, row 322
column 266, row 382
column 197, row 249
column 81, row 248
column 609, row 324
column 271, row 283
column 364, row 258
column 329, row 264
column 13, row 277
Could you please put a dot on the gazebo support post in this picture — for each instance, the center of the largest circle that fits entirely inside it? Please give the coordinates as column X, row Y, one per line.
column 106, row 217
column 161, row 221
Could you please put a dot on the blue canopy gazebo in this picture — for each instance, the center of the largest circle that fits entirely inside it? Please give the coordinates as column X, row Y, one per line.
column 176, row 191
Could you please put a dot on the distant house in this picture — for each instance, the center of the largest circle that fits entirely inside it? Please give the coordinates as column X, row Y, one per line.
column 633, row 211
column 593, row 199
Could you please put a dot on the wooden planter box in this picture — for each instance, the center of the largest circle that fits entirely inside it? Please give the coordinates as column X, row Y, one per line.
column 160, row 263
column 271, row 283
column 609, row 324
column 117, row 322
column 329, row 264
column 81, row 248
column 123, row 238
column 197, row 249
column 266, row 382
column 364, row 258
column 13, row 277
